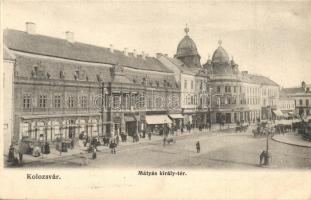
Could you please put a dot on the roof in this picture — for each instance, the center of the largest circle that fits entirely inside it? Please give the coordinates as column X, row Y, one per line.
column 293, row 90
column 251, row 78
column 184, row 68
column 220, row 55
column 61, row 48
column 7, row 55
column 186, row 47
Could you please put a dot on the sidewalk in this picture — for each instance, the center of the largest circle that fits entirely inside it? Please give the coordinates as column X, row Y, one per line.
column 292, row 139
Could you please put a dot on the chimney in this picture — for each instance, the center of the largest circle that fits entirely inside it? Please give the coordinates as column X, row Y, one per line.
column 134, row 53
column 111, row 48
column 30, row 28
column 70, row 36
column 125, row 51
column 143, row 55
column 159, row 55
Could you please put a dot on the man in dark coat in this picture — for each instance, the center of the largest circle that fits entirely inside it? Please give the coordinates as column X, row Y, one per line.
column 262, row 157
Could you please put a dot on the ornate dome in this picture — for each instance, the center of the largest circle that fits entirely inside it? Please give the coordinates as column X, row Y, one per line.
column 220, row 55
column 186, row 46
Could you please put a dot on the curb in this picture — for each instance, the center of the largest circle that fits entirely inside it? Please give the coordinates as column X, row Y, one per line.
column 293, row 144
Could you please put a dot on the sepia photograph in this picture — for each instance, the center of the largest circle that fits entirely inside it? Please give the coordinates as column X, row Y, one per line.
column 162, row 89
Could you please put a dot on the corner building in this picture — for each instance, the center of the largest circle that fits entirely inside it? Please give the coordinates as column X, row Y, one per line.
column 238, row 96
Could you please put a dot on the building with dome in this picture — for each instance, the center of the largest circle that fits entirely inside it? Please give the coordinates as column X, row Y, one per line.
column 237, row 95
column 192, row 78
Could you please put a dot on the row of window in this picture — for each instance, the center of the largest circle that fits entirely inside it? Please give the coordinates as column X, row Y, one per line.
column 229, row 89
column 43, row 101
column 301, row 102
column 117, row 101
column 248, row 90
column 194, row 100
column 200, row 84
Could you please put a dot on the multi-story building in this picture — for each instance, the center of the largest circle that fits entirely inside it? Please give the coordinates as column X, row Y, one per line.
column 286, row 105
column 60, row 86
column 192, row 78
column 302, row 98
column 238, row 96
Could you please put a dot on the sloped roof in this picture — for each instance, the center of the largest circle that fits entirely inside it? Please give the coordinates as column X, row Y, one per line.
column 184, row 68
column 7, row 55
column 259, row 79
column 293, row 90
column 61, row 48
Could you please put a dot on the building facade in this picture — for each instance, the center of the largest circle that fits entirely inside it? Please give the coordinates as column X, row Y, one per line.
column 63, row 88
column 238, row 96
column 192, row 78
column 8, row 97
column 302, row 98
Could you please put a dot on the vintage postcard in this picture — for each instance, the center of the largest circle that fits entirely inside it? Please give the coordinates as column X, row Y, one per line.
column 155, row 99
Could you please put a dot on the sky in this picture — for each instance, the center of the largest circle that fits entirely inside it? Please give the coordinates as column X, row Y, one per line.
column 268, row 38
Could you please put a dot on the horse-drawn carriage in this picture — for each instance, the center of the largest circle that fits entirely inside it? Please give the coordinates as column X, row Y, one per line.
column 241, row 127
column 263, row 129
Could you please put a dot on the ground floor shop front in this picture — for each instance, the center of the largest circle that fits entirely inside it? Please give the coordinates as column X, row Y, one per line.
column 71, row 126
column 234, row 116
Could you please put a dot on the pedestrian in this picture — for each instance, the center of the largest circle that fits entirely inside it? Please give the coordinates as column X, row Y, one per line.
column 164, row 140
column 118, row 139
column 113, row 146
column 72, row 143
column 149, row 135
column 94, row 154
column 11, row 153
column 262, row 157
column 198, row 146
column 20, row 157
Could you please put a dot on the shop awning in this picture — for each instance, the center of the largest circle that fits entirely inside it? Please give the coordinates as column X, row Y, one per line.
column 176, row 116
column 129, row 118
column 278, row 113
column 158, row 119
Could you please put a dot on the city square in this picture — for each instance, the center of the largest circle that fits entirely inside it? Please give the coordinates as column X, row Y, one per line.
column 155, row 99
column 220, row 149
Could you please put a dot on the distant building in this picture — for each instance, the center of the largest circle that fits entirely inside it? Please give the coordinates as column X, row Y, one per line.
column 302, row 98
column 286, row 105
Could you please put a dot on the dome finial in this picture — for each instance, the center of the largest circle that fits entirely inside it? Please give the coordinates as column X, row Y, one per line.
column 219, row 42
column 186, row 29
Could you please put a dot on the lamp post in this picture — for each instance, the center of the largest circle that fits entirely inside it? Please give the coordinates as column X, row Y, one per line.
column 102, row 110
